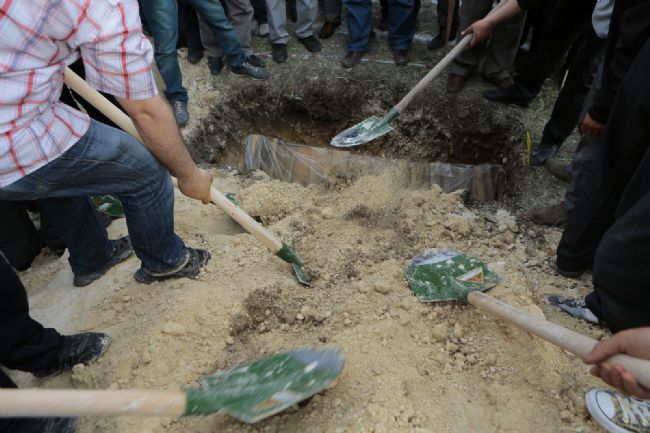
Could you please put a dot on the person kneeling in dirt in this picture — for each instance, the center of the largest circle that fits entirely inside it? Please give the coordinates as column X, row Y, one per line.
column 616, row 412
column 25, row 345
column 53, row 152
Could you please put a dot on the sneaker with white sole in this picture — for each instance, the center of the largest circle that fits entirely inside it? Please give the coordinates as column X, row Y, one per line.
column 573, row 307
column 618, row 413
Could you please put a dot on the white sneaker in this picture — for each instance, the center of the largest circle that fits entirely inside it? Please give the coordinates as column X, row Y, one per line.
column 263, row 30
column 618, row 413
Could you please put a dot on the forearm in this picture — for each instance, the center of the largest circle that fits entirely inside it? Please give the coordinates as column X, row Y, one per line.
column 502, row 13
column 157, row 127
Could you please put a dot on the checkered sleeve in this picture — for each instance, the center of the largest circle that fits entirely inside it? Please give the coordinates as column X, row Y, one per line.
column 117, row 57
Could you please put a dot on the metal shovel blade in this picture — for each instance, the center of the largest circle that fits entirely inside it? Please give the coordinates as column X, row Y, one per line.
column 447, row 275
column 362, row 133
column 257, row 390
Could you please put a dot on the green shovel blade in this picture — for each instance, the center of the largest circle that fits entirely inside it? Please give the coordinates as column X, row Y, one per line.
column 109, row 205
column 264, row 387
column 362, row 133
column 446, row 275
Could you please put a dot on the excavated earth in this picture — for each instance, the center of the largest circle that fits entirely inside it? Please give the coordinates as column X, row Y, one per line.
column 410, row 367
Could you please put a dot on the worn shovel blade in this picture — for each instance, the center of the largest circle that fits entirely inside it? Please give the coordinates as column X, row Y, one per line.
column 447, row 275
column 299, row 272
column 254, row 391
column 362, row 133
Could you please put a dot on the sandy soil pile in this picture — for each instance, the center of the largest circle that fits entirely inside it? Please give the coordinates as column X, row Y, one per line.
column 411, row 367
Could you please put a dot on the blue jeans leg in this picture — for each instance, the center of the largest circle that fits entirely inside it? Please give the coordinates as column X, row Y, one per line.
column 401, row 23
column 107, row 161
column 215, row 17
column 162, row 19
column 359, row 19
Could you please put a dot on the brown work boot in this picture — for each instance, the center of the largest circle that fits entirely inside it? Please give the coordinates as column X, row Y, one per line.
column 328, row 29
column 558, row 169
column 351, row 59
column 549, row 216
column 401, row 57
column 455, row 83
column 501, row 83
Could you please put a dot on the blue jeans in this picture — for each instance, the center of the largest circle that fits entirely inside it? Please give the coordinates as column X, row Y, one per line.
column 162, row 22
column 401, row 23
column 106, row 161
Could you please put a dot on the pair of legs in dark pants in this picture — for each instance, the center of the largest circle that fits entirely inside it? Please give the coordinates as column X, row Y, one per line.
column 584, row 59
column 401, row 23
column 608, row 228
column 106, row 161
column 24, row 344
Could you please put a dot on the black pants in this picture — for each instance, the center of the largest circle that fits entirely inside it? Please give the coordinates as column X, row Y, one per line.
column 188, row 28
column 259, row 11
column 583, row 62
column 563, row 26
column 24, row 343
column 609, row 229
column 442, row 10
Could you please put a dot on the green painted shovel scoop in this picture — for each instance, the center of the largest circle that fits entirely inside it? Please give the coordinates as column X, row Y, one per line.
column 375, row 127
column 446, row 275
column 249, row 392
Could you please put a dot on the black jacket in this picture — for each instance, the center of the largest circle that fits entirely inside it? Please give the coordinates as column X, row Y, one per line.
column 629, row 29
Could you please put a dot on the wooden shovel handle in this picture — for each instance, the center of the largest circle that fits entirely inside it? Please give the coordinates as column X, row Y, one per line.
column 571, row 341
column 109, row 110
column 433, row 73
column 70, row 402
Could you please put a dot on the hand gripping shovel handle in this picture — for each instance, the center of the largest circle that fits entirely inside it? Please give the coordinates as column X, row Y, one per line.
column 571, row 341
column 61, row 403
column 96, row 99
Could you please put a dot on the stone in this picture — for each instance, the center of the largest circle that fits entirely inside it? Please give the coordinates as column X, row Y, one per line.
column 230, row 341
column 459, row 224
column 439, row 332
column 382, row 287
column 173, row 328
column 327, row 213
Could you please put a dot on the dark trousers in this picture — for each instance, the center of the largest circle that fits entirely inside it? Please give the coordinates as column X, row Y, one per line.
column 442, row 10
column 259, row 11
column 583, row 62
column 19, row 240
column 564, row 25
column 24, row 344
column 188, row 28
column 608, row 227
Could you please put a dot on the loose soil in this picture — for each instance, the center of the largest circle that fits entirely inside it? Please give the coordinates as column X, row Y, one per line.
column 410, row 367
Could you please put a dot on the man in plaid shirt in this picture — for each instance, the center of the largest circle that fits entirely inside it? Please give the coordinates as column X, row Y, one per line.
column 52, row 152
column 58, row 155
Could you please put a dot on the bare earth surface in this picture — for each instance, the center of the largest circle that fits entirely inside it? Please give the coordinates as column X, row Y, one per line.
column 410, row 367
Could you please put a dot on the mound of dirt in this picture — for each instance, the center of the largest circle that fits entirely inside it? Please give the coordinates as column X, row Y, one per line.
column 410, row 367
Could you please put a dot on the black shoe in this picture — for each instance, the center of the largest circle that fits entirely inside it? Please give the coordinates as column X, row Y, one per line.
column 437, row 42
column 558, row 169
column 194, row 57
column 180, row 112
column 513, row 95
column 215, row 64
column 256, row 61
column 279, row 52
column 76, row 349
column 574, row 307
column 45, row 425
column 570, row 274
column 311, row 43
column 196, row 259
column 248, row 70
column 553, row 216
column 401, row 57
column 122, row 250
column 543, row 152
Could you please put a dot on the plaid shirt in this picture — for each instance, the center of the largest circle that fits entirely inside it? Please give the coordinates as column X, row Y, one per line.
column 38, row 38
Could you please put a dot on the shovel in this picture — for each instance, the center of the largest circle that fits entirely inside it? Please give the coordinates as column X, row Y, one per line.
column 444, row 275
column 281, row 249
column 374, row 126
column 249, row 392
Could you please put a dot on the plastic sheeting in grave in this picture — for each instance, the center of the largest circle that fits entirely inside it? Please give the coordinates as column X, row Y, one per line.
column 320, row 165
